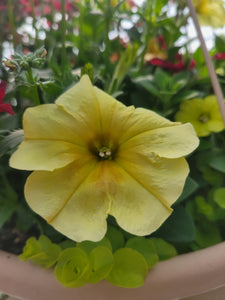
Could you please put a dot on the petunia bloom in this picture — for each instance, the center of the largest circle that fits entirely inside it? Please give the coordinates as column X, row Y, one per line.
column 203, row 114
column 92, row 157
column 177, row 66
column 219, row 56
column 4, row 107
column 210, row 12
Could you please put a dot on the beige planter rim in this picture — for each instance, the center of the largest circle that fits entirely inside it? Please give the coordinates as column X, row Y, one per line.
column 182, row 276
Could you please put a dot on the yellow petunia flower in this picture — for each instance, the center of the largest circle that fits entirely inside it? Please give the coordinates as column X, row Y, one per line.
column 210, row 12
column 92, row 156
column 203, row 114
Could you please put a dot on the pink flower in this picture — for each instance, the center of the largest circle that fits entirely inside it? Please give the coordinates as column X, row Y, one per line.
column 178, row 66
column 219, row 56
column 4, row 107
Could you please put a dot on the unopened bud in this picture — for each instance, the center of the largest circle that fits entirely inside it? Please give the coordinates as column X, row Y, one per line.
column 12, row 65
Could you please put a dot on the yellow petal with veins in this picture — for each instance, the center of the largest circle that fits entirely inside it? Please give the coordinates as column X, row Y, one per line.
column 72, row 199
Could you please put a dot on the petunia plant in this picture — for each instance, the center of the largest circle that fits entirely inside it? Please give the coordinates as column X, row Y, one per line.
column 111, row 137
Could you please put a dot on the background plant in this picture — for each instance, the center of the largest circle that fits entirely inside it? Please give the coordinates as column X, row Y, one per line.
column 131, row 52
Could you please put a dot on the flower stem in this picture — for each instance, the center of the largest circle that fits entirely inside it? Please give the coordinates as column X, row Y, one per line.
column 33, row 82
column 34, row 22
column 63, row 35
column 208, row 60
column 12, row 22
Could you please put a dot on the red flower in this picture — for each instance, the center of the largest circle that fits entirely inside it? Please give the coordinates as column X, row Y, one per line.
column 219, row 56
column 178, row 66
column 4, row 107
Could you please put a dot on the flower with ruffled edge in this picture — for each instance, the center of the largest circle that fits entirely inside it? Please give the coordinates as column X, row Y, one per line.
column 93, row 156
column 203, row 114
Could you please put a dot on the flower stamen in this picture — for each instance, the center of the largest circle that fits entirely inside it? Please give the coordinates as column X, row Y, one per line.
column 105, row 153
column 204, row 118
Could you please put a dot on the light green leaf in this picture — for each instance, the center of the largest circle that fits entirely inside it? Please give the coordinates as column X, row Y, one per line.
column 219, row 197
column 148, row 250
column 73, row 267
column 42, row 251
column 163, row 249
column 88, row 246
column 101, row 260
column 129, row 270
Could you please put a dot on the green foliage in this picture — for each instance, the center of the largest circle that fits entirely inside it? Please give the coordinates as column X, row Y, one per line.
column 178, row 228
column 101, row 260
column 10, row 140
column 42, row 251
column 163, row 249
column 218, row 163
column 8, row 200
column 116, row 237
column 129, row 270
column 88, row 246
column 146, row 247
column 219, row 197
column 73, row 267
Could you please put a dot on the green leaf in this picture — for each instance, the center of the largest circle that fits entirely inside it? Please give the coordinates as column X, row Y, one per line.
column 88, row 246
column 42, row 251
column 162, row 79
column 101, row 260
column 203, row 207
column 8, row 201
column 11, row 141
column 213, row 177
column 163, row 249
column 147, row 84
column 189, row 188
column 207, row 234
column 142, row 245
column 73, row 267
column 129, row 270
column 115, row 237
column 179, row 227
column 219, row 197
column 218, row 163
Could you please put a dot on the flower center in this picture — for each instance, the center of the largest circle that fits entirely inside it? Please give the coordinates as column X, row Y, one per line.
column 105, row 153
column 204, row 118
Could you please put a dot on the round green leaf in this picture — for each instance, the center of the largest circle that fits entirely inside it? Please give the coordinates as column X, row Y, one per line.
column 41, row 252
column 88, row 246
column 73, row 267
column 219, row 197
column 163, row 249
column 146, row 249
column 116, row 237
column 129, row 270
column 101, row 260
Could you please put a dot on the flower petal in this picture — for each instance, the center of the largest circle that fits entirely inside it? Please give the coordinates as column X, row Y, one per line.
column 49, row 122
column 98, row 110
column 71, row 199
column 6, row 107
column 80, row 102
column 45, row 155
column 163, row 178
column 135, row 208
column 169, row 142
